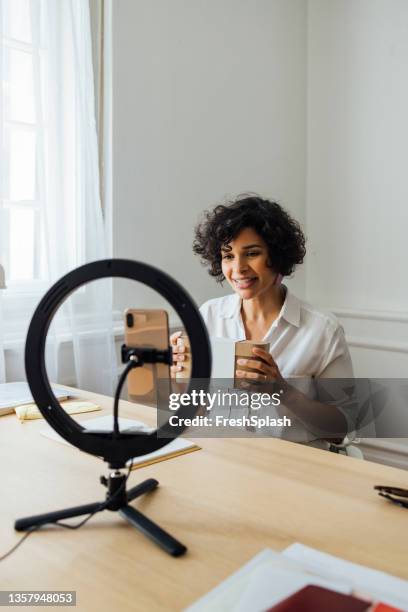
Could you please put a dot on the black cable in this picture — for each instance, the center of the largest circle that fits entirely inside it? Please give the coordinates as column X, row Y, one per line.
column 131, row 364
column 21, row 540
column 102, row 506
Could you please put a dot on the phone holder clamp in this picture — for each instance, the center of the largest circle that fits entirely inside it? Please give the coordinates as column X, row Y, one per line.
column 142, row 355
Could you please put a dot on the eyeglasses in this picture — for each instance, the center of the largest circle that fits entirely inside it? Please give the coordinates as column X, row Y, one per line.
column 394, row 494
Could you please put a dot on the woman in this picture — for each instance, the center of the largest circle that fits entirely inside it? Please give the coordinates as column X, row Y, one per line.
column 253, row 243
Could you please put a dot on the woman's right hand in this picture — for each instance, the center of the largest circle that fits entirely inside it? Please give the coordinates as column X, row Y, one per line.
column 180, row 350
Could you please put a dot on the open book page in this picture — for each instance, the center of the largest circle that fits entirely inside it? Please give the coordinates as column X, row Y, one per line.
column 176, row 447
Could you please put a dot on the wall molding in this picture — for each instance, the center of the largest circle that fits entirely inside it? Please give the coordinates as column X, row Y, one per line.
column 377, row 345
column 385, row 451
column 371, row 315
column 378, row 331
column 369, row 341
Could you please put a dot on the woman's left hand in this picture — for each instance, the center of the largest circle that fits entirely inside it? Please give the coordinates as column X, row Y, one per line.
column 262, row 371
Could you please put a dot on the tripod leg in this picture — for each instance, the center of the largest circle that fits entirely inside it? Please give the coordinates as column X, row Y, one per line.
column 52, row 517
column 153, row 531
column 143, row 487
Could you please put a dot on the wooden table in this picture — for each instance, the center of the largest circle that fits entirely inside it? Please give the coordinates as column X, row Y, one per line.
column 226, row 502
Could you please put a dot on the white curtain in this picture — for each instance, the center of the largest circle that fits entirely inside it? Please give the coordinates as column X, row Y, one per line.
column 51, row 216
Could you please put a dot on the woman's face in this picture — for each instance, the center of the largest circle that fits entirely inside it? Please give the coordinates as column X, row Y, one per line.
column 245, row 264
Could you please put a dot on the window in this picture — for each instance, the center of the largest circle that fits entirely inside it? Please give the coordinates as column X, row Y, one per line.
column 22, row 250
column 39, row 189
column 50, row 213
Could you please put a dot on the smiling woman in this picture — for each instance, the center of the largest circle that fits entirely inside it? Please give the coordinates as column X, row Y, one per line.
column 252, row 243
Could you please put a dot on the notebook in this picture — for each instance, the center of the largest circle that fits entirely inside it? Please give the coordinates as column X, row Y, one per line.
column 28, row 412
column 18, row 393
column 175, row 448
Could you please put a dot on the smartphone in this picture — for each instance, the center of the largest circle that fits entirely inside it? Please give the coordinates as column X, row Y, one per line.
column 146, row 328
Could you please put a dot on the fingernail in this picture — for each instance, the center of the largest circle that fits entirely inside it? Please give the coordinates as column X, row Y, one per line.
column 179, row 368
column 242, row 361
column 239, row 372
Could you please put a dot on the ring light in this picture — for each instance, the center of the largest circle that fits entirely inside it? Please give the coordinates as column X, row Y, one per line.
column 128, row 445
column 114, row 449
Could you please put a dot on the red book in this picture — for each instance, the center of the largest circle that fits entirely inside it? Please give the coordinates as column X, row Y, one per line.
column 317, row 599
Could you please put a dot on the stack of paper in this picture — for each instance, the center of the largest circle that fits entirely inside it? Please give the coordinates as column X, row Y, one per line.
column 175, row 448
column 271, row 577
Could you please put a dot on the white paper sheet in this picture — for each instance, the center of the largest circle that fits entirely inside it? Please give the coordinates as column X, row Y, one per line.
column 271, row 584
column 379, row 585
column 254, row 584
column 270, row 577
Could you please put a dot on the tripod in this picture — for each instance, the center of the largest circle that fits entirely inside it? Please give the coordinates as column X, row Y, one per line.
column 117, row 499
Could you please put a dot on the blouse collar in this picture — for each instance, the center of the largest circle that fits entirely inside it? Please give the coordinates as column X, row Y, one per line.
column 290, row 310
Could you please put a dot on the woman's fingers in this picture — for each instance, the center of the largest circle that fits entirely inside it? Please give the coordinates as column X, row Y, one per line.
column 174, row 337
column 253, row 375
column 263, row 355
column 262, row 369
column 179, row 351
column 177, row 342
column 267, row 357
column 255, row 365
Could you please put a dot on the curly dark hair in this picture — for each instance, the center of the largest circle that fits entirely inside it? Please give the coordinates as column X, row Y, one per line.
column 282, row 234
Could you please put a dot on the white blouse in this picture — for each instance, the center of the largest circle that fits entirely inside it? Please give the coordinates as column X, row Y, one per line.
column 306, row 344
column 304, row 341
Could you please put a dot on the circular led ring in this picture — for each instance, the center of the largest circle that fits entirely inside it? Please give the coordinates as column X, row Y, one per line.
column 115, row 451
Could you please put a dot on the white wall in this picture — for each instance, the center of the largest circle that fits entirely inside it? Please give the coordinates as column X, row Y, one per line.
column 357, row 183
column 304, row 101
column 357, row 180
column 208, row 101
